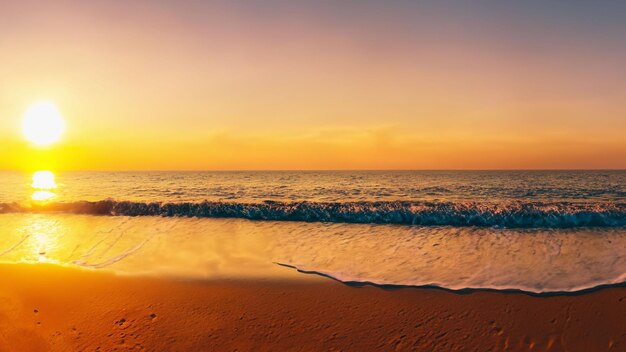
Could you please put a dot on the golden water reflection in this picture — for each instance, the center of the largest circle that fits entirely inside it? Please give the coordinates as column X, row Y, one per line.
column 43, row 184
column 42, row 196
column 37, row 239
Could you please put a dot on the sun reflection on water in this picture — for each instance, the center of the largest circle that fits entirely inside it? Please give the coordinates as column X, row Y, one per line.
column 43, row 183
column 42, row 196
column 42, row 240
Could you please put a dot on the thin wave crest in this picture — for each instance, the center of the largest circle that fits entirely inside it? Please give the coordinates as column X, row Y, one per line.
column 509, row 215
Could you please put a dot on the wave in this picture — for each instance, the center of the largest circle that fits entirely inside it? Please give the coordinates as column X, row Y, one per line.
column 506, row 215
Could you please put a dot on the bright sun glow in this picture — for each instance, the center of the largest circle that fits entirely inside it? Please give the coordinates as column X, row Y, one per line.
column 43, row 124
column 43, row 180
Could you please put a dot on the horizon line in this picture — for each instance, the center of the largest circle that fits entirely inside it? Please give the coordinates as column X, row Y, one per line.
column 319, row 170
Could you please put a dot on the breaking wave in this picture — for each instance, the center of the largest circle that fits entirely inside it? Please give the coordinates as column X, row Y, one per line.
column 506, row 215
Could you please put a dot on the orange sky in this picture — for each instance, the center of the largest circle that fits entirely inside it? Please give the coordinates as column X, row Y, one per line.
column 316, row 85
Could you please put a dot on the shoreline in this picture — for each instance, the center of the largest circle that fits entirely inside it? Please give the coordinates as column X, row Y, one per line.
column 44, row 307
column 460, row 291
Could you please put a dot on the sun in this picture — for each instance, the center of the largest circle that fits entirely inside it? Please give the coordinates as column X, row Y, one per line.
column 43, row 124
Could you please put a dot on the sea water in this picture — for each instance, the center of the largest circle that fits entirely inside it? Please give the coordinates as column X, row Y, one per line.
column 537, row 231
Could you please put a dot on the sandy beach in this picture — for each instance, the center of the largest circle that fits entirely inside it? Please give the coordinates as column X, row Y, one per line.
column 50, row 308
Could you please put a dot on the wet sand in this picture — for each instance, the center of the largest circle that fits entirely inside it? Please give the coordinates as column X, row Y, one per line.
column 50, row 308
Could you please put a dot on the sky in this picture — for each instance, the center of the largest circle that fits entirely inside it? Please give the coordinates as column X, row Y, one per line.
column 208, row 85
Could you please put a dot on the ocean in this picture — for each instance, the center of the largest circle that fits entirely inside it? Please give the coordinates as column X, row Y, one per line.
column 535, row 231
